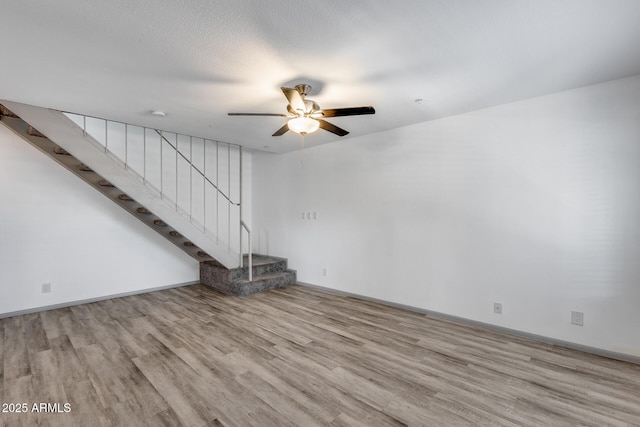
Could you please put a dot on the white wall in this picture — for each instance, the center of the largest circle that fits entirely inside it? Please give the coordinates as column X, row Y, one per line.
column 534, row 204
column 56, row 229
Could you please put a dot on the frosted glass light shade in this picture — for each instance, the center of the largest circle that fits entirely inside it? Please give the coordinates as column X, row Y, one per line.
column 303, row 125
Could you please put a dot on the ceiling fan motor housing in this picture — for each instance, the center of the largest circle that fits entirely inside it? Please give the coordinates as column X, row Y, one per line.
column 303, row 89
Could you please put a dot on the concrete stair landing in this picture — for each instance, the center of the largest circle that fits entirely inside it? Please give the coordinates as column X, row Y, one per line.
column 268, row 273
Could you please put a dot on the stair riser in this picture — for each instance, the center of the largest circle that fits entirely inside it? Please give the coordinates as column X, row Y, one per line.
column 213, row 274
column 263, row 269
column 244, row 289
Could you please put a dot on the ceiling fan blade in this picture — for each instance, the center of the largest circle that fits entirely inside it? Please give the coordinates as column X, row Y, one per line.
column 295, row 100
column 282, row 130
column 258, row 114
column 332, row 128
column 352, row 111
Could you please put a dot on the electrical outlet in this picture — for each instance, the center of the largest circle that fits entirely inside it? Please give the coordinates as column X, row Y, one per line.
column 497, row 308
column 324, row 272
column 577, row 318
column 46, row 288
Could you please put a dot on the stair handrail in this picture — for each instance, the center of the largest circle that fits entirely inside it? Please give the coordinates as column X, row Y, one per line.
column 244, row 225
column 160, row 132
column 250, row 256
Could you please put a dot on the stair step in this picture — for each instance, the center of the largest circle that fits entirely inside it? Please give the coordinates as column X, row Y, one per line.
column 213, row 272
column 269, row 272
column 4, row 111
column 260, row 283
column 35, row 132
column 262, row 264
column 266, row 276
column 61, row 151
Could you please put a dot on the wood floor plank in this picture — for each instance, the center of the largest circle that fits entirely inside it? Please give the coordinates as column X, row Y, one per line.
column 51, row 321
column 268, row 418
column 296, row 356
column 19, row 391
column 139, row 389
column 278, row 379
column 16, row 353
column 166, row 418
column 35, row 334
column 218, row 394
column 78, row 335
column 163, row 382
column 69, row 366
column 86, row 408
column 125, row 413
column 47, row 384
column 278, row 402
column 108, row 387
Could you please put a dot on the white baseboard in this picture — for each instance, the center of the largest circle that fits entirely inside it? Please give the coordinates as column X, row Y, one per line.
column 540, row 338
column 86, row 301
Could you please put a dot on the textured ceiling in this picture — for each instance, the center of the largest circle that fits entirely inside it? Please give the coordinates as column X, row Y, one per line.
column 199, row 59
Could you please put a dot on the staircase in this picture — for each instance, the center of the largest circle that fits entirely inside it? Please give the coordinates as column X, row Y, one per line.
column 185, row 222
column 95, row 180
column 268, row 273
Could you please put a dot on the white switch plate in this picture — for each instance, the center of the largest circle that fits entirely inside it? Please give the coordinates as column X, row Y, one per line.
column 577, row 318
column 497, row 308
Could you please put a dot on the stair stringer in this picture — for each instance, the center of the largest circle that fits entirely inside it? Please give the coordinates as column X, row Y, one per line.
column 66, row 134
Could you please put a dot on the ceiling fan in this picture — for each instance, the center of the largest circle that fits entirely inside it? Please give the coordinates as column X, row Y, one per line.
column 305, row 116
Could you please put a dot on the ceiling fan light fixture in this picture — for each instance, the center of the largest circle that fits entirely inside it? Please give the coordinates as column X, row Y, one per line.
column 303, row 125
column 305, row 116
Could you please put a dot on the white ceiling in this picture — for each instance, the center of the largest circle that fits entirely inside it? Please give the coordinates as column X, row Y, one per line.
column 199, row 59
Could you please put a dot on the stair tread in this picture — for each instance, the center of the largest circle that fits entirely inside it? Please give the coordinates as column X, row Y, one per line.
column 266, row 276
column 261, row 260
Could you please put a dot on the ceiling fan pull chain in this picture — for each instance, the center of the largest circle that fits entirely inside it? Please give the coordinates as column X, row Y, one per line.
column 302, row 151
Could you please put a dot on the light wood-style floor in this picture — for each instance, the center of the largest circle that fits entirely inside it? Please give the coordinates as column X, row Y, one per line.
column 294, row 357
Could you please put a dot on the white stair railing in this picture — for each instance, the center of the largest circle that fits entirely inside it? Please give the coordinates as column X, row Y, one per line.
column 198, row 177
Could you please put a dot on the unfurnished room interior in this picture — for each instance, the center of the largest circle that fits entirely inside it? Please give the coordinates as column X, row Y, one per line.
column 320, row 213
